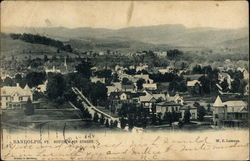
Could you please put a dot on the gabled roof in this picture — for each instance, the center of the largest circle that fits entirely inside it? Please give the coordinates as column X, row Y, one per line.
column 10, row 90
column 157, row 96
column 218, row 102
column 146, row 98
column 152, row 85
column 167, row 103
column 235, row 103
column 127, row 86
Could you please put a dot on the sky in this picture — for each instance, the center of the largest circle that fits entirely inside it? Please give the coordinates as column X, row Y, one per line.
column 120, row 14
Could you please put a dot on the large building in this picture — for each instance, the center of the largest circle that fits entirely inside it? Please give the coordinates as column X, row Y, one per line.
column 14, row 96
column 230, row 113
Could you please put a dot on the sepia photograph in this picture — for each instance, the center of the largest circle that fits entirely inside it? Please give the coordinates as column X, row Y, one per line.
column 124, row 80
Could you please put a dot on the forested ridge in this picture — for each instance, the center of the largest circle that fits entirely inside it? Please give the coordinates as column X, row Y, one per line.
column 37, row 39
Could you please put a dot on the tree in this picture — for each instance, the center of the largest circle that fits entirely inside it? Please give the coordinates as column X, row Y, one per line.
column 8, row 81
column 139, row 83
column 115, row 77
column 197, row 69
column 85, row 113
column 201, row 111
column 107, row 123
column 84, row 68
column 45, row 58
column 168, row 117
column 33, row 79
column 130, row 122
column 153, row 122
column 115, row 123
column 123, row 122
column 159, row 118
column 175, row 116
column 111, row 124
column 102, row 119
column 173, row 54
column 224, row 85
column 98, row 92
column 126, row 81
column 187, row 115
column 56, row 86
column 96, row 117
column 208, row 108
column 205, row 84
column 29, row 109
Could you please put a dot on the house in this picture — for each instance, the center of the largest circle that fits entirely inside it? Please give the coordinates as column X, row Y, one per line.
column 230, row 113
column 53, row 70
column 147, row 101
column 167, row 106
column 236, row 113
column 42, row 87
column 14, row 96
column 192, row 110
column 222, row 76
column 96, row 79
column 152, row 86
column 159, row 96
column 161, row 53
column 166, row 70
column 194, row 86
column 145, row 77
column 176, row 98
column 244, row 72
column 128, row 88
column 141, row 67
column 115, row 87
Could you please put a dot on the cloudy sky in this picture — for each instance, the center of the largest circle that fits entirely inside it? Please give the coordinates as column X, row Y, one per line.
column 110, row 14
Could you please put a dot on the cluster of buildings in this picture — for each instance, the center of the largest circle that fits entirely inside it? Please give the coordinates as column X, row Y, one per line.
column 232, row 113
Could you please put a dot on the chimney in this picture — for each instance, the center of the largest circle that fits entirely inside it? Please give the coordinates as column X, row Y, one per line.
column 17, row 84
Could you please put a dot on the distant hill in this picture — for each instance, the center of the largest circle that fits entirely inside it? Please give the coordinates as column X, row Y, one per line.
column 236, row 43
column 174, row 35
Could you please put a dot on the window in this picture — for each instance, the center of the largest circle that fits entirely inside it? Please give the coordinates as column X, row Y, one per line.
column 20, row 98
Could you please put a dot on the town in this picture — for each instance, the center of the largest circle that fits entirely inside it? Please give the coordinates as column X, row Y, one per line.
column 134, row 91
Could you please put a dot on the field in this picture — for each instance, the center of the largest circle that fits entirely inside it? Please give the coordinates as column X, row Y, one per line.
column 48, row 119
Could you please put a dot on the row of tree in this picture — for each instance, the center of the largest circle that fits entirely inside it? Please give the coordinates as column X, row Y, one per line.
column 37, row 39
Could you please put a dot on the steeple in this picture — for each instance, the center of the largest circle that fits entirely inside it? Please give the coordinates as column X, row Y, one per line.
column 65, row 63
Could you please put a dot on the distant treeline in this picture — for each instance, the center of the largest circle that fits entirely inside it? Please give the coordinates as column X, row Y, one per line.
column 37, row 39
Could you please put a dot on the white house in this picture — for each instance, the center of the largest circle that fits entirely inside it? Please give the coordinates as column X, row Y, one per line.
column 192, row 110
column 15, row 96
column 96, row 79
column 166, row 70
column 177, row 98
column 141, row 67
column 145, row 77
